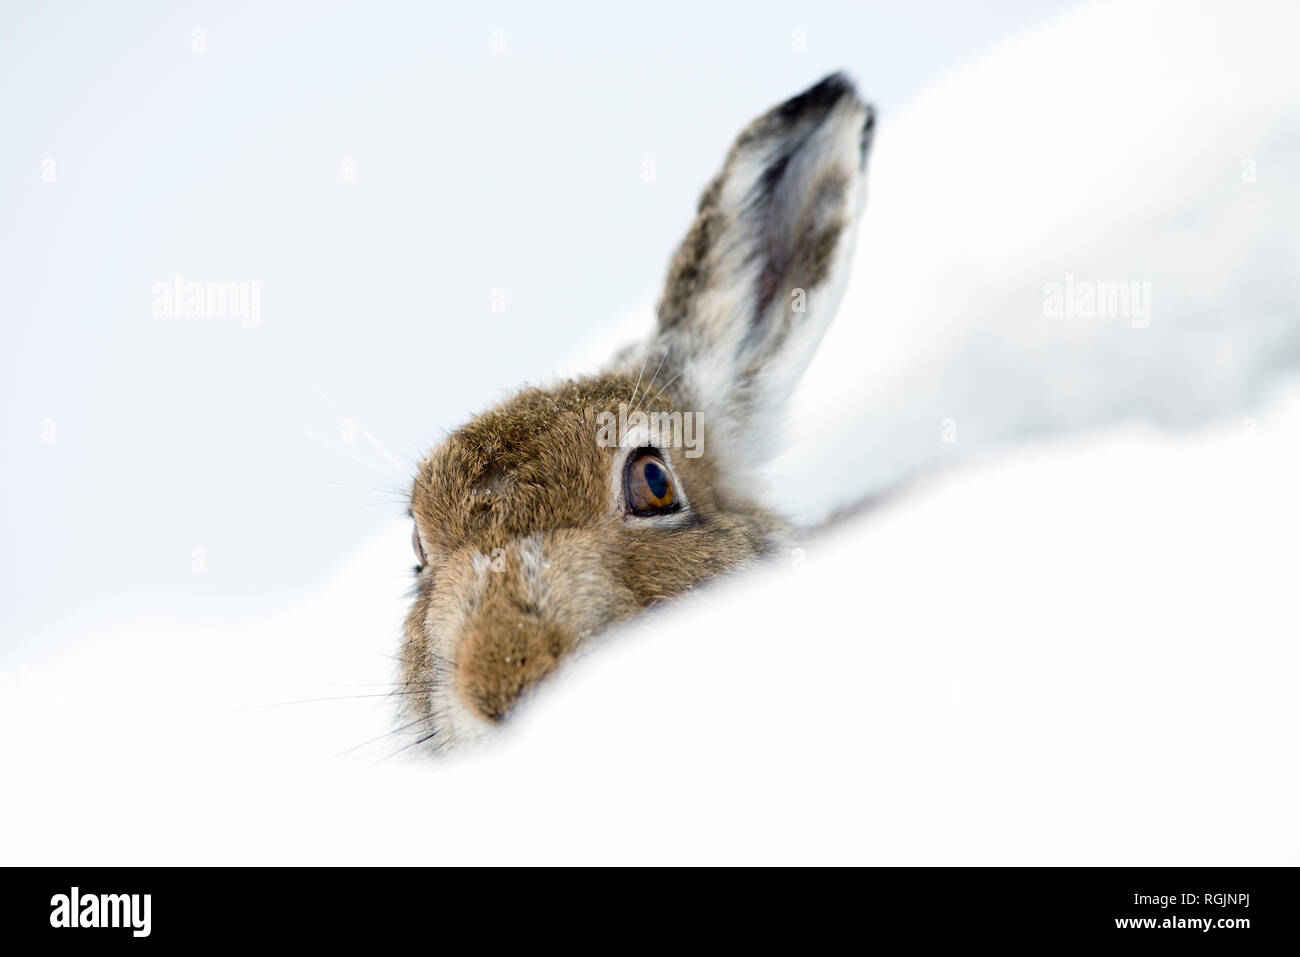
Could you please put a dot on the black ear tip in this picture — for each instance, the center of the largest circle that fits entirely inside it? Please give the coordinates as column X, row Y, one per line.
column 868, row 129
column 836, row 84
column 820, row 97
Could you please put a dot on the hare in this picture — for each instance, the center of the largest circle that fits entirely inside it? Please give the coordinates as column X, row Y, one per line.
column 567, row 509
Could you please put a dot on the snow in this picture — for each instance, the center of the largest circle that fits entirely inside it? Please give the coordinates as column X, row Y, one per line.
column 1068, row 636
column 1079, row 653
column 1106, row 146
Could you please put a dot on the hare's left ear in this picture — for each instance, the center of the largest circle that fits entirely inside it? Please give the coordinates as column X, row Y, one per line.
column 759, row 276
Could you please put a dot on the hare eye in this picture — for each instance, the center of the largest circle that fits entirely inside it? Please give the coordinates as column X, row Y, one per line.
column 415, row 544
column 649, row 484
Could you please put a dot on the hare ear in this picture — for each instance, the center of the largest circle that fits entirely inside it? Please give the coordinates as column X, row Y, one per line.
column 759, row 276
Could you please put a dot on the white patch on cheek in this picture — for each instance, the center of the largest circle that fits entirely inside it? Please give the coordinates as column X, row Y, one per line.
column 482, row 564
column 533, row 564
column 444, row 625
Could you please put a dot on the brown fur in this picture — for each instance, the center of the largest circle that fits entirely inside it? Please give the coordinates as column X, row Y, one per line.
column 690, row 269
column 530, row 467
column 530, row 549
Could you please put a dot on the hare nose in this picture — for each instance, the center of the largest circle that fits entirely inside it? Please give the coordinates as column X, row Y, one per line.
column 503, row 656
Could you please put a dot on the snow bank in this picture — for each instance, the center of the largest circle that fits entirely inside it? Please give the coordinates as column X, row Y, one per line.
column 1143, row 144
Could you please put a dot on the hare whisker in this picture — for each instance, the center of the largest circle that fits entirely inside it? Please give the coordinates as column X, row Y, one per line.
column 346, row 697
column 381, row 737
column 652, row 379
column 353, row 456
column 428, row 737
column 667, row 384
column 644, row 360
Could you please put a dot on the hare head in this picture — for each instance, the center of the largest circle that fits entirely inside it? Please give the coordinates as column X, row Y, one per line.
column 570, row 508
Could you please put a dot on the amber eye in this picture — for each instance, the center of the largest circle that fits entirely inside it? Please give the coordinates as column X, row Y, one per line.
column 649, row 484
column 415, row 544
